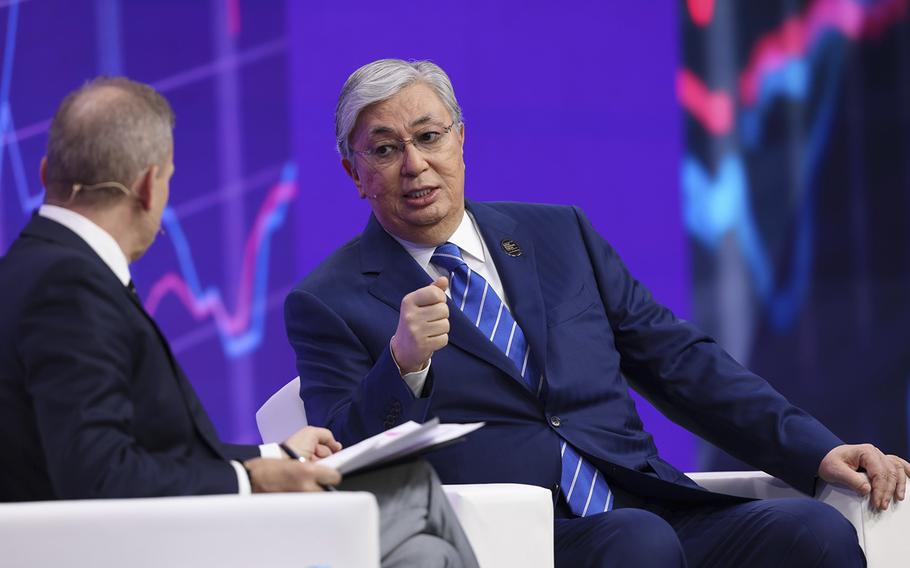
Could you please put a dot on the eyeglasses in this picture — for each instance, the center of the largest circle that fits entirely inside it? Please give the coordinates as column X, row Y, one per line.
column 384, row 153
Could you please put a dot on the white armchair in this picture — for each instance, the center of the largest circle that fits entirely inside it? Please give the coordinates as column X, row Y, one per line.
column 882, row 535
column 338, row 530
column 489, row 511
column 507, row 524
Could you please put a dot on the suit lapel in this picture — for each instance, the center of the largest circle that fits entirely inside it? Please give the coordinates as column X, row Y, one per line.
column 199, row 416
column 398, row 274
column 519, row 275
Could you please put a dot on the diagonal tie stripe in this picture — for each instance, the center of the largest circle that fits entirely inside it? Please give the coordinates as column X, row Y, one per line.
column 585, row 489
column 482, row 305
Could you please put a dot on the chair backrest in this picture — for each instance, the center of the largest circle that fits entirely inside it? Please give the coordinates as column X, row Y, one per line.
column 282, row 414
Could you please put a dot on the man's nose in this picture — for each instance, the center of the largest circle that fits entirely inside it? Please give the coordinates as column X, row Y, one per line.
column 413, row 161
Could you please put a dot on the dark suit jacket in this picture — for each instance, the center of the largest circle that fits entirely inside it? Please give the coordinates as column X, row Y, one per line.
column 591, row 327
column 92, row 402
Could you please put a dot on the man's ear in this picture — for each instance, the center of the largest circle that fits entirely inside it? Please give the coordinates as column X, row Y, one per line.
column 42, row 171
column 145, row 188
column 354, row 175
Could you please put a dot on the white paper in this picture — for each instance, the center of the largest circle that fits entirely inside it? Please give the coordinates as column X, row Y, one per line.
column 401, row 441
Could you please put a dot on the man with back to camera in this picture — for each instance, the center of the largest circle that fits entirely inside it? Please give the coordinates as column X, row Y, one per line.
column 93, row 403
column 523, row 316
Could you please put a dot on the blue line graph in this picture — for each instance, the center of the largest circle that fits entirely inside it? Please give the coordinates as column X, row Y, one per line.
column 216, row 88
column 107, row 18
column 241, row 332
column 239, row 335
column 714, row 206
column 8, row 140
column 792, row 80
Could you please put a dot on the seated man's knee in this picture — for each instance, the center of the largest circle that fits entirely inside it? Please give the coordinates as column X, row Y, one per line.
column 647, row 537
column 622, row 537
column 815, row 532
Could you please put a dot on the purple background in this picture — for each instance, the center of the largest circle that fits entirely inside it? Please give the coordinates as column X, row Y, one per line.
column 564, row 103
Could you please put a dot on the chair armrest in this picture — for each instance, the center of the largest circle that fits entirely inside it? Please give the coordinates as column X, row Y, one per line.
column 882, row 534
column 750, row 484
column 508, row 524
column 293, row 530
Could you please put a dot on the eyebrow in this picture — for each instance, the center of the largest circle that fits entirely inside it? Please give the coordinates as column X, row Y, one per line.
column 422, row 120
column 387, row 130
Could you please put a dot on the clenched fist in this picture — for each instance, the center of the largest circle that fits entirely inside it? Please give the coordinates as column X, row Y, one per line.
column 423, row 326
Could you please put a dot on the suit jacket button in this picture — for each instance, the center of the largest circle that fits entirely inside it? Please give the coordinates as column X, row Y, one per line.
column 555, row 421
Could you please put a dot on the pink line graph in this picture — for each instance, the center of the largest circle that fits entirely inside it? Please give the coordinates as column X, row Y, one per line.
column 796, row 35
column 701, row 11
column 791, row 40
column 211, row 305
column 233, row 17
column 713, row 109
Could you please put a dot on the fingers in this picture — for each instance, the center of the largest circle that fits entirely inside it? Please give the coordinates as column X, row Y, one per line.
column 325, row 450
column 885, row 478
column 423, row 326
column 326, row 476
column 307, row 441
column 859, row 482
column 271, row 476
column 314, row 478
column 900, row 467
column 882, row 474
column 902, row 464
column 325, row 437
column 435, row 293
column 437, row 327
column 840, row 466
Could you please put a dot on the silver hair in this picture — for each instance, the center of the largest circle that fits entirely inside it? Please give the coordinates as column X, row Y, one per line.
column 109, row 130
column 381, row 80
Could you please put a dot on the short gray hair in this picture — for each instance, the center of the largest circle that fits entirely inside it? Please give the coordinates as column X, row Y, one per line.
column 381, row 80
column 110, row 129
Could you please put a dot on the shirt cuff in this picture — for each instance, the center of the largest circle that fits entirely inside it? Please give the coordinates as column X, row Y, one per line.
column 271, row 451
column 414, row 380
column 243, row 479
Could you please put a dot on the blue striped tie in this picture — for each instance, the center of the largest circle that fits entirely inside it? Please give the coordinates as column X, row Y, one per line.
column 584, row 487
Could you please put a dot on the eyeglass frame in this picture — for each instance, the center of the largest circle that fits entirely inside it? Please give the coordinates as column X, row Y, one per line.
column 370, row 154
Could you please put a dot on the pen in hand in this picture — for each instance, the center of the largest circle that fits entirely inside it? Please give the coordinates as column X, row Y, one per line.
column 295, row 456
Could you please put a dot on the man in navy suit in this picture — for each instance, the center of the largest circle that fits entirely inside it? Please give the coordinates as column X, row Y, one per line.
column 93, row 403
column 524, row 317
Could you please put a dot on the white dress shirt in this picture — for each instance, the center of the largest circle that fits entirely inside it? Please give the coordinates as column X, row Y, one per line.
column 110, row 252
column 476, row 255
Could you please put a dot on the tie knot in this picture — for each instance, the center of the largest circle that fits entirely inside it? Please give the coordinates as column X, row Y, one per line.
column 448, row 256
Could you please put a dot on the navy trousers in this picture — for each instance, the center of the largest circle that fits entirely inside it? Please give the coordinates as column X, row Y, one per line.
column 775, row 532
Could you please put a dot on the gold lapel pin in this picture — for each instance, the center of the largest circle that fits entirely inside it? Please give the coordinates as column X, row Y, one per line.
column 511, row 247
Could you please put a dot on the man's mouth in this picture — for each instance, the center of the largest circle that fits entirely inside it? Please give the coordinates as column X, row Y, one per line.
column 418, row 193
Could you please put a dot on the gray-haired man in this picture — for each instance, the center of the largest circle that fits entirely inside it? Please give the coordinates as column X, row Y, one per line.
column 534, row 325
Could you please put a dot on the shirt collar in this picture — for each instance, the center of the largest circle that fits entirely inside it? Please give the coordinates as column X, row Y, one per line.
column 100, row 240
column 466, row 237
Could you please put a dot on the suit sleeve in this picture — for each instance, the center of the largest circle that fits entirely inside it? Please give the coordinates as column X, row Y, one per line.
column 240, row 452
column 76, row 347
column 687, row 375
column 344, row 387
